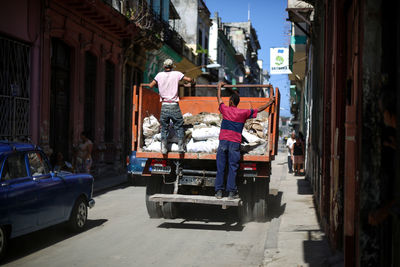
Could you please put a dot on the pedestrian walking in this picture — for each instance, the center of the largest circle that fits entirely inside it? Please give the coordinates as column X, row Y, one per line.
column 167, row 82
column 230, row 137
column 289, row 144
column 298, row 155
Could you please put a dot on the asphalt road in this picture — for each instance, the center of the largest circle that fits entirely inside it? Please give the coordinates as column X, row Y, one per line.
column 120, row 233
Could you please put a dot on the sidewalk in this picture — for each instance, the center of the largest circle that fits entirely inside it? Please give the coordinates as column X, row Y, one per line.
column 294, row 237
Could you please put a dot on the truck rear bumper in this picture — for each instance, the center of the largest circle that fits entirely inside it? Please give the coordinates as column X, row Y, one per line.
column 197, row 199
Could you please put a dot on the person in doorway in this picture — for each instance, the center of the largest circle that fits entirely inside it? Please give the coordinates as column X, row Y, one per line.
column 167, row 82
column 289, row 144
column 298, row 155
column 230, row 137
column 84, row 159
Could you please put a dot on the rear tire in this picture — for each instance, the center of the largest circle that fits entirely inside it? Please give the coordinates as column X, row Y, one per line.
column 246, row 209
column 169, row 209
column 153, row 186
column 78, row 218
column 3, row 242
column 261, row 189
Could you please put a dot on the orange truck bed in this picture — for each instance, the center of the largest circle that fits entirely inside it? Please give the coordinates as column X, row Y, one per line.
column 147, row 102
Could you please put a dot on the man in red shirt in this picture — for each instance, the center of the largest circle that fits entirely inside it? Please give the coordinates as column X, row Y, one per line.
column 230, row 138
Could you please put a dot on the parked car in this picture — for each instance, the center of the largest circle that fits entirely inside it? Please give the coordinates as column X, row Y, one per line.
column 135, row 167
column 33, row 197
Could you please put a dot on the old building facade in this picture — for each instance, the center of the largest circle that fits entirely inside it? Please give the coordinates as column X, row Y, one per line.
column 350, row 113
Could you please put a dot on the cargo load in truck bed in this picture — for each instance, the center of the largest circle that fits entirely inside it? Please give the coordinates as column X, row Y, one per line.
column 202, row 133
column 202, row 124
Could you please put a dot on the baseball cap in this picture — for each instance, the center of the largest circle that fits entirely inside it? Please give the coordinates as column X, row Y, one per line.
column 168, row 63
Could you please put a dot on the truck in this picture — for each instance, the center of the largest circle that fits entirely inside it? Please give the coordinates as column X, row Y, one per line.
column 176, row 178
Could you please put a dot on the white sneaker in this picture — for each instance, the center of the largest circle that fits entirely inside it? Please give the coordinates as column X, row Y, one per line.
column 181, row 147
column 164, row 148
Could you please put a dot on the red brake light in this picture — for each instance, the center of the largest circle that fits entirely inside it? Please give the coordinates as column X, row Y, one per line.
column 248, row 166
column 158, row 162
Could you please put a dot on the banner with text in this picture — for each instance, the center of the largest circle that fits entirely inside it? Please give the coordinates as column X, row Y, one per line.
column 279, row 61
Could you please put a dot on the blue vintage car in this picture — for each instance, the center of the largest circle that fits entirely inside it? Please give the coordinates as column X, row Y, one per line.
column 33, row 197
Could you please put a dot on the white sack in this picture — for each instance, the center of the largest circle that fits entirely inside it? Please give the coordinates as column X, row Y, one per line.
column 205, row 133
column 254, row 148
column 154, row 147
column 157, row 137
column 209, row 146
column 251, row 138
column 151, row 126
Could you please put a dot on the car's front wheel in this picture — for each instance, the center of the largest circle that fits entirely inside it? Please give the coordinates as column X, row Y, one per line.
column 78, row 217
column 3, row 241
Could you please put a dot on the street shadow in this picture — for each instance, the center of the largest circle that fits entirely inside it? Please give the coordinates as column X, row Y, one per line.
column 316, row 249
column 140, row 181
column 27, row 244
column 137, row 180
column 304, row 187
column 122, row 185
column 205, row 217
column 274, row 206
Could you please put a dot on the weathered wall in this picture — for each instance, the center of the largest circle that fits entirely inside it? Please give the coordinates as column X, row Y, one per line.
column 378, row 155
column 27, row 13
column 370, row 184
column 213, row 42
column 187, row 25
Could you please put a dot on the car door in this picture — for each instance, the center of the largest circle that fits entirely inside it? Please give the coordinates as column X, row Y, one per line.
column 51, row 189
column 22, row 194
column 3, row 196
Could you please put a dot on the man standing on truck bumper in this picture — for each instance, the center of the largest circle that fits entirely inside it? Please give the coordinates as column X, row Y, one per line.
column 230, row 137
column 167, row 82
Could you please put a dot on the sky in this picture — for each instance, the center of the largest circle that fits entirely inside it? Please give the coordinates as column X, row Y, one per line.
column 268, row 18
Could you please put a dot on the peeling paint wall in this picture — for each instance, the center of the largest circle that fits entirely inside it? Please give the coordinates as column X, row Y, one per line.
column 378, row 158
column 365, row 54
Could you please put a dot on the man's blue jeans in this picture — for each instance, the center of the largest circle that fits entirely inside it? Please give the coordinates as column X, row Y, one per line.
column 228, row 152
column 171, row 112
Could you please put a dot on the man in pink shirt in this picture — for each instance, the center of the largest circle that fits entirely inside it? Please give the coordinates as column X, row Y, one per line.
column 168, row 84
column 230, row 137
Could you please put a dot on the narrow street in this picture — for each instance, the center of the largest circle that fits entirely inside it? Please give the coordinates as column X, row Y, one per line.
column 188, row 89
column 120, row 233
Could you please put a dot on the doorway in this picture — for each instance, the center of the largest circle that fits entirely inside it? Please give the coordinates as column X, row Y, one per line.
column 60, row 134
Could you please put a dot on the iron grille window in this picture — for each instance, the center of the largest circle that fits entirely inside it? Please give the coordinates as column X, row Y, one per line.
column 14, row 89
column 90, row 89
column 109, row 108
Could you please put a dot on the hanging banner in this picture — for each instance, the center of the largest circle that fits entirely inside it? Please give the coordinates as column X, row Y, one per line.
column 279, row 61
